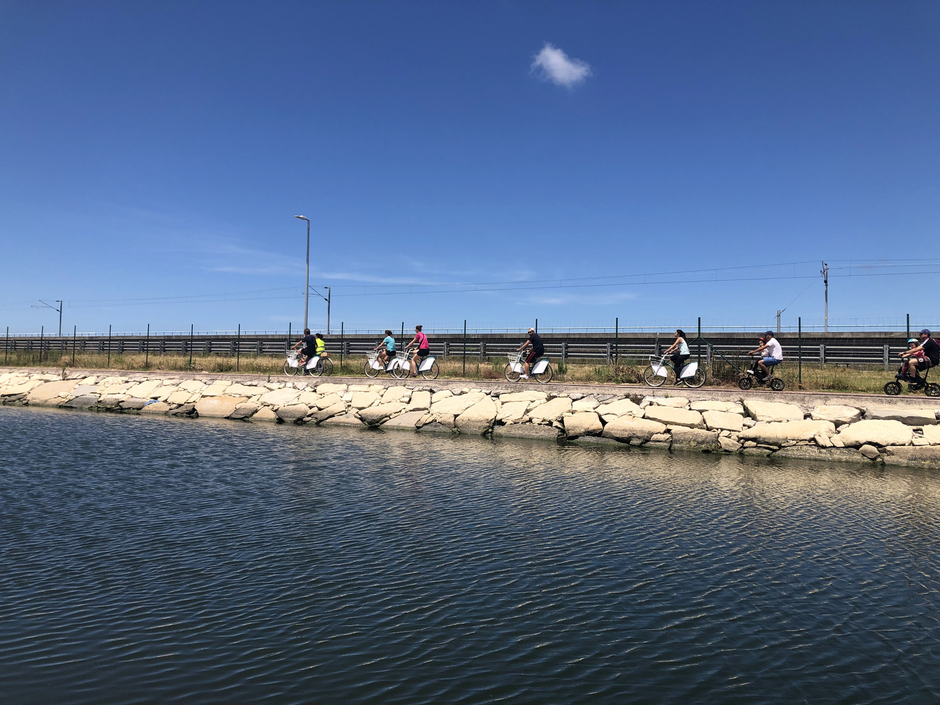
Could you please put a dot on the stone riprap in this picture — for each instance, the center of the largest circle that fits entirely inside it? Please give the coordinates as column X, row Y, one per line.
column 747, row 425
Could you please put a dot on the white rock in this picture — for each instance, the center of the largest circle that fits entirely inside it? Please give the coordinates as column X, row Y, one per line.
column 586, row 404
column 216, row 389
column 280, row 397
column 217, row 407
column 722, row 421
column 730, row 407
column 330, row 388
column 512, row 412
column 511, row 397
column 363, row 400
column 879, row 433
column 377, row 414
column 779, row 432
column 586, row 423
column 839, row 415
column 420, row 400
column 773, row 411
column 441, row 395
column 674, row 416
column 394, row 394
column 478, row 418
column 455, row 405
column 620, row 407
column 674, row 402
column 551, row 410
column 626, row 428
column 145, row 390
column 932, row 435
column 911, row 417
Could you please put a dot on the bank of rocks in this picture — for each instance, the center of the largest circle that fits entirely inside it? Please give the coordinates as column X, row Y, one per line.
column 901, row 436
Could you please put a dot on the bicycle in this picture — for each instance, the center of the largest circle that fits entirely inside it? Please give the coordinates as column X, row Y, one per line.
column 931, row 389
column 427, row 367
column 656, row 374
column 316, row 366
column 398, row 367
column 756, row 375
column 541, row 370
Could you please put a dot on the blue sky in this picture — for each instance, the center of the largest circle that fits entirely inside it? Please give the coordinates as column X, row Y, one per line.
column 662, row 161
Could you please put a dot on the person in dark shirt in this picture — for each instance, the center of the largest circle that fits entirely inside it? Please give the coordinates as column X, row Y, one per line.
column 538, row 349
column 309, row 345
column 931, row 356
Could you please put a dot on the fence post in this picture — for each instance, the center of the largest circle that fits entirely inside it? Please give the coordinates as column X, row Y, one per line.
column 482, row 350
column 608, row 353
column 109, row 347
column 822, row 353
column 192, row 327
column 886, row 357
column 42, row 330
column 564, row 353
column 908, row 327
column 799, row 354
column 147, row 350
column 617, row 341
column 6, row 346
column 287, row 344
column 699, row 341
column 342, row 344
column 444, row 355
column 238, row 348
column 465, row 347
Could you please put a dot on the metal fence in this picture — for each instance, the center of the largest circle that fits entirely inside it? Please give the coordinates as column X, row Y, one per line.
column 834, row 348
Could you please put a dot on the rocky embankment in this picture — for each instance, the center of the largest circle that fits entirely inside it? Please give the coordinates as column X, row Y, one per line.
column 749, row 425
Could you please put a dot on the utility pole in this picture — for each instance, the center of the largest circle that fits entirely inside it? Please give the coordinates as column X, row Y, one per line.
column 825, row 275
column 307, row 282
column 58, row 309
column 326, row 298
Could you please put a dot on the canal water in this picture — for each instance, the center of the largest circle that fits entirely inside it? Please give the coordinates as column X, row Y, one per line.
column 150, row 559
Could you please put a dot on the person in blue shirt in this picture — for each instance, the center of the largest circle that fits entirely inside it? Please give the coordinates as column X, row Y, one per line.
column 386, row 349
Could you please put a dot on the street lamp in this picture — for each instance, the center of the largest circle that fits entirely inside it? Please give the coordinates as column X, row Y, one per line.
column 307, row 282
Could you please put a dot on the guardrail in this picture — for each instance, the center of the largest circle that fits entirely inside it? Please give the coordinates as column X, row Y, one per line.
column 839, row 349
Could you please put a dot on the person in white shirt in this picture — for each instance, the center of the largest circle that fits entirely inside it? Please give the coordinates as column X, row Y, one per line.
column 771, row 353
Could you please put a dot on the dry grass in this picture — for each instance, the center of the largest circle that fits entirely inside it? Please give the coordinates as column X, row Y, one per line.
column 815, row 377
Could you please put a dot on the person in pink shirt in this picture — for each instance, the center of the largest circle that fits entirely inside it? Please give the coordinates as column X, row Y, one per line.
column 421, row 352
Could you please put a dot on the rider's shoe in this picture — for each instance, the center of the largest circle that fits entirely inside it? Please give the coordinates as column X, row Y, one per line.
column 523, row 376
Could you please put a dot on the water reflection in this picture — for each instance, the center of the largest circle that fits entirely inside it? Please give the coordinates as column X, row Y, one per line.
column 150, row 559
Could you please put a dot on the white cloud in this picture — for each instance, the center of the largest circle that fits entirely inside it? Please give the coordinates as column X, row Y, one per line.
column 579, row 299
column 552, row 64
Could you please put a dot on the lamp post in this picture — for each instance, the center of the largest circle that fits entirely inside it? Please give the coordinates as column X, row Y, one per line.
column 307, row 282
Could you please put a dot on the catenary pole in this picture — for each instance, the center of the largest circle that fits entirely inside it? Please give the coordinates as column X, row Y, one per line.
column 307, row 280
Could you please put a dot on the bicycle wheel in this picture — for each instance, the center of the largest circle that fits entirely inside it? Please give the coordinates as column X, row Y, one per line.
column 932, row 390
column 324, row 367
column 433, row 372
column 510, row 374
column 892, row 388
column 372, row 371
column 400, row 371
column 288, row 370
column 653, row 379
column 777, row 384
column 696, row 380
column 544, row 376
column 745, row 383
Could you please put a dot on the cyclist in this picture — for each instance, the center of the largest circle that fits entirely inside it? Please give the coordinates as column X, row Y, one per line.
column 320, row 350
column 309, row 345
column 421, row 352
column 682, row 354
column 771, row 354
column 386, row 349
column 931, row 351
column 538, row 349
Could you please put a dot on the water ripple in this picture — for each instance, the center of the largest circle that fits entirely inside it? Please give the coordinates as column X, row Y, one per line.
column 159, row 559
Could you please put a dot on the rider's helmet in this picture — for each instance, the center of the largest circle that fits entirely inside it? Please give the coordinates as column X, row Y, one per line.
column 913, row 340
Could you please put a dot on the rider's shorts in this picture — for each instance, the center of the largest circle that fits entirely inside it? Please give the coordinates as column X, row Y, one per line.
column 768, row 361
column 534, row 355
column 423, row 352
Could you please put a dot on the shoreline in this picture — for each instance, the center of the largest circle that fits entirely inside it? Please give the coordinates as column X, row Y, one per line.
column 833, row 427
